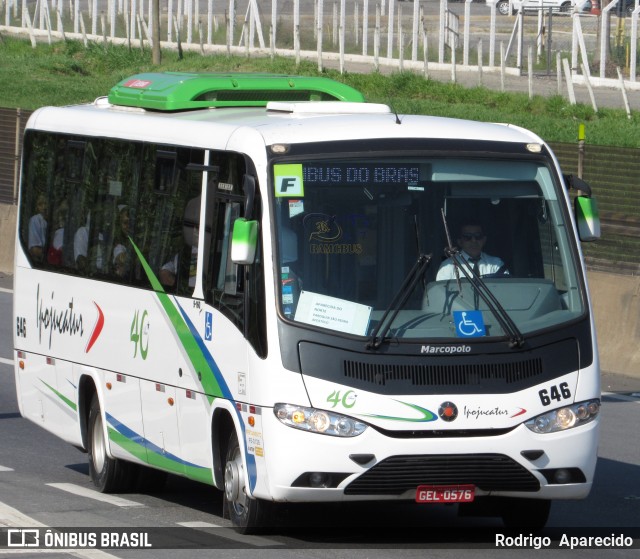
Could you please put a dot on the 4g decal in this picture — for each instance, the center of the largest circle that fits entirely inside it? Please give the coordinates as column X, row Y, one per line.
column 348, row 400
column 556, row 392
column 139, row 334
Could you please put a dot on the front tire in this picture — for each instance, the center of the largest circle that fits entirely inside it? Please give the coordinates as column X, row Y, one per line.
column 504, row 7
column 109, row 475
column 248, row 515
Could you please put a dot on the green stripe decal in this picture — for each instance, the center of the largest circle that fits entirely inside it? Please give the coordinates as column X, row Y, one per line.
column 210, row 376
column 426, row 415
column 66, row 400
column 156, row 457
column 209, row 382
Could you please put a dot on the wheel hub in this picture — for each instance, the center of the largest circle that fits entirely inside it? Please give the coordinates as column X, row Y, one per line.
column 98, row 446
column 232, row 481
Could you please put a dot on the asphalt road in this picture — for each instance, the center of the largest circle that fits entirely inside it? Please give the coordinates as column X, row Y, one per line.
column 44, row 482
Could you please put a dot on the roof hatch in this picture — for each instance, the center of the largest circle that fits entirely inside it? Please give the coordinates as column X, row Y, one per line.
column 177, row 91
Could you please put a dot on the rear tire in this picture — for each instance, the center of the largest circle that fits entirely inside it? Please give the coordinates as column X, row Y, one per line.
column 109, row 475
column 247, row 515
column 566, row 8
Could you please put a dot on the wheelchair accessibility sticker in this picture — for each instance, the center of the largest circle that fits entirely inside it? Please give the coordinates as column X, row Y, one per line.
column 469, row 324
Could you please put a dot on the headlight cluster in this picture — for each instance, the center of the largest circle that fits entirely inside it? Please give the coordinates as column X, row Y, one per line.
column 565, row 418
column 318, row 421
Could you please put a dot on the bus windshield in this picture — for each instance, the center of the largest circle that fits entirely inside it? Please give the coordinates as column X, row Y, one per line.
column 495, row 244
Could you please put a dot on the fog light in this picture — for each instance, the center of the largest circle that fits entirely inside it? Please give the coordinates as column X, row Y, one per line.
column 562, row 476
column 319, row 479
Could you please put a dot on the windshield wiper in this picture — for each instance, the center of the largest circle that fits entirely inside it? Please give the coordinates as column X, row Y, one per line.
column 384, row 325
column 516, row 339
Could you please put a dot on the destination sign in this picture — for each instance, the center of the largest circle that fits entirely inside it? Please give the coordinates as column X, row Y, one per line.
column 359, row 174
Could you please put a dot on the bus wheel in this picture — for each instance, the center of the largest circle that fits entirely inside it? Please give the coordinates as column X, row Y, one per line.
column 109, row 475
column 247, row 515
column 531, row 514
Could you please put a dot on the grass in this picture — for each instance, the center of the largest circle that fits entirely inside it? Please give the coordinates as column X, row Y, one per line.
column 67, row 73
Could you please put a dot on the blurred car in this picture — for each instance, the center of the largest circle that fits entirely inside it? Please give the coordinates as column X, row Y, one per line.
column 511, row 7
column 624, row 7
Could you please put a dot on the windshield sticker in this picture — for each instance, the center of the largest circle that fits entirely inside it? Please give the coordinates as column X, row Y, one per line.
column 325, row 235
column 296, row 207
column 469, row 324
column 288, row 181
column 330, row 312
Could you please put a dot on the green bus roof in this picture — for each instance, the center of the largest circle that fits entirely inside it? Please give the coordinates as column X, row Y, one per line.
column 177, row 91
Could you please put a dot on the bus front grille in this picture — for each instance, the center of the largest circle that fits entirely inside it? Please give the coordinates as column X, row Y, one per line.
column 449, row 374
column 489, row 472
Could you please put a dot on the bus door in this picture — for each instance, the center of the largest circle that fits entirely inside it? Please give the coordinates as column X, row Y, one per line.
column 214, row 311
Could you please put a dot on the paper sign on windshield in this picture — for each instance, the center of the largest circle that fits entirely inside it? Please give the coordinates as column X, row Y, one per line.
column 331, row 312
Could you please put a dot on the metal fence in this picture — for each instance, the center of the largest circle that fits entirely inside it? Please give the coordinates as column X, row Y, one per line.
column 600, row 47
column 12, row 124
column 612, row 172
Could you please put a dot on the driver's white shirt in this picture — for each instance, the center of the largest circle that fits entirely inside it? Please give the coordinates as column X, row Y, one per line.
column 487, row 265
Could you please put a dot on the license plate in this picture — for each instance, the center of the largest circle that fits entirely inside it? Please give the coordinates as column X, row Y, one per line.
column 445, row 493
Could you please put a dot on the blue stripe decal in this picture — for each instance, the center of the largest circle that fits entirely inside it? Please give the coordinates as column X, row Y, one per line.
column 252, row 469
column 140, row 440
column 205, row 352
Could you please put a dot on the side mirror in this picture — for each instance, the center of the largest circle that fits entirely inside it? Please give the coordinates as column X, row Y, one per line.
column 587, row 218
column 244, row 241
column 249, row 189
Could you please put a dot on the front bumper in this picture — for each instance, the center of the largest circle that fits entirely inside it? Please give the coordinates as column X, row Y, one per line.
column 374, row 466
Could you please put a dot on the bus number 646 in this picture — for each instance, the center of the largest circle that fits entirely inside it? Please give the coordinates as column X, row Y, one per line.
column 556, row 392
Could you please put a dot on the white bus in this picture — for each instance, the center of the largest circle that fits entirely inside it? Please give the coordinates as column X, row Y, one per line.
column 262, row 283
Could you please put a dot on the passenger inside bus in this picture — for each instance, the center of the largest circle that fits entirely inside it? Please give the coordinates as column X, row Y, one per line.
column 187, row 254
column 121, row 258
column 38, row 229
column 81, row 245
column 54, row 253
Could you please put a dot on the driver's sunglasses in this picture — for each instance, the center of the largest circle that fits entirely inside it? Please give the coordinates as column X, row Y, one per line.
column 472, row 236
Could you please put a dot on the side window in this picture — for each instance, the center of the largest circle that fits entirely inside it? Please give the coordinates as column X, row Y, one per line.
column 169, row 216
column 224, row 285
column 112, row 216
column 553, row 268
column 37, row 184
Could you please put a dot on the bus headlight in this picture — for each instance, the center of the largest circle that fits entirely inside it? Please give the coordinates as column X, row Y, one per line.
column 564, row 418
column 318, row 421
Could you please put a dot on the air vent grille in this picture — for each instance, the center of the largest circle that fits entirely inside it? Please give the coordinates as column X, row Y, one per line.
column 446, row 374
column 489, row 472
